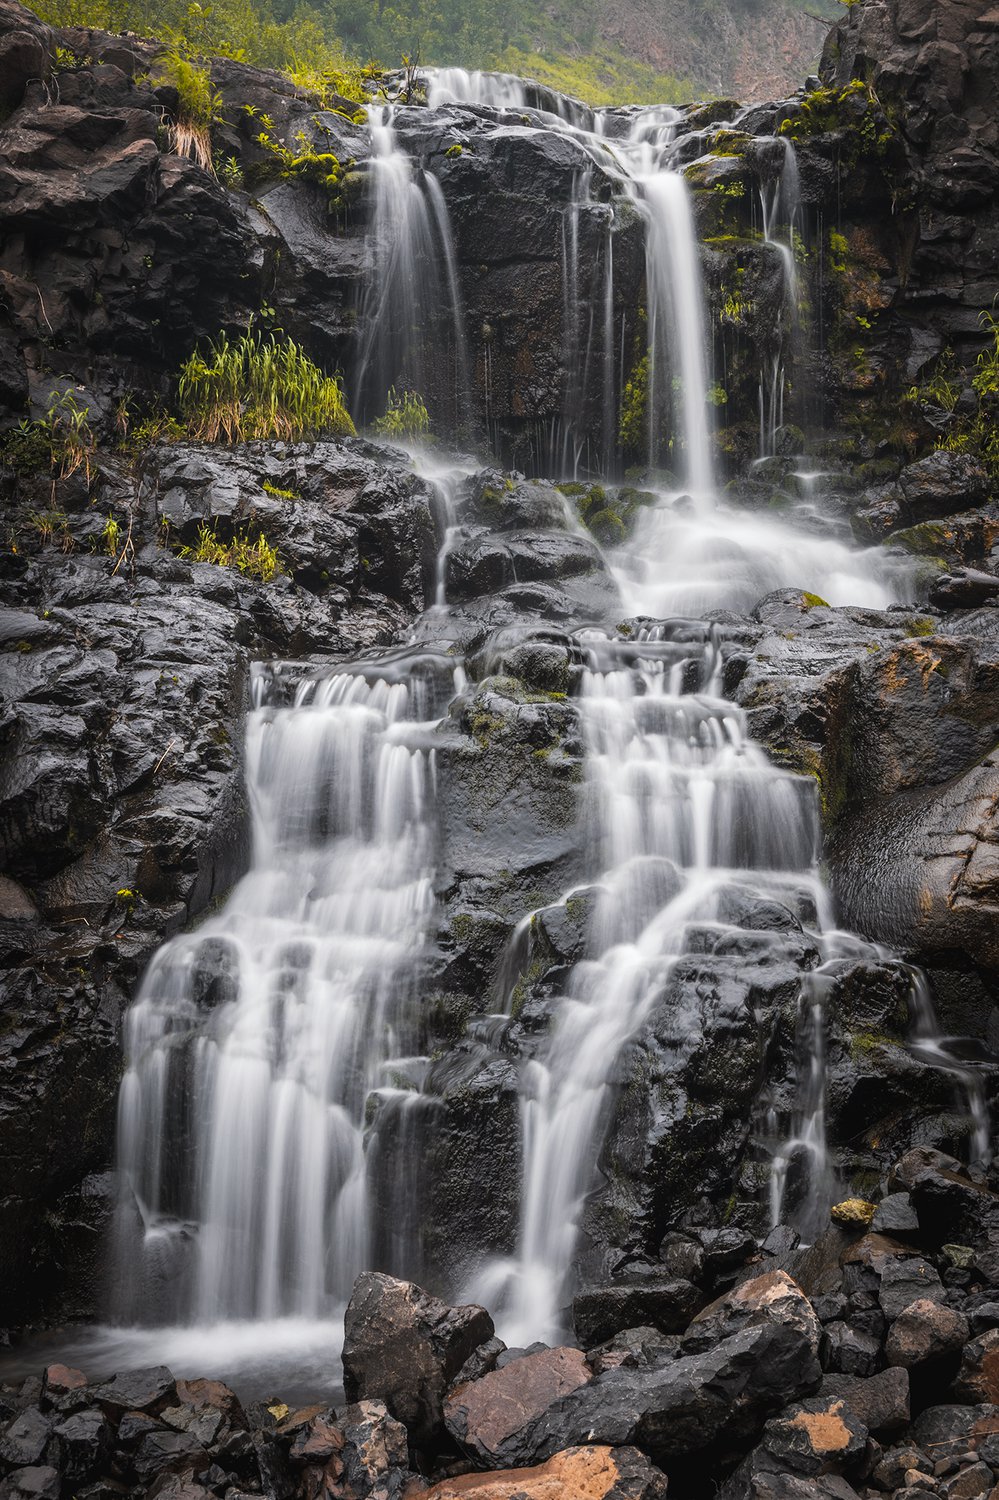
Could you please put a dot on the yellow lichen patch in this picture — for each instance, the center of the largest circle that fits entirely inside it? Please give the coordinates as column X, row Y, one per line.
column 855, row 1213
column 827, row 1432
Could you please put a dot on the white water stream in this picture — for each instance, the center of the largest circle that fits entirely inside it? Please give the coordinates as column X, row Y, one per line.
column 267, row 1050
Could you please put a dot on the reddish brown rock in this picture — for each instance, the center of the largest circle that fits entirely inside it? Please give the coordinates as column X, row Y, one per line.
column 978, row 1378
column 487, row 1415
column 61, row 1379
column 573, row 1474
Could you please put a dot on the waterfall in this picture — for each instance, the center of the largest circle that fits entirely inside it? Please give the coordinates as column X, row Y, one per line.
column 684, row 810
column 780, row 207
column 257, row 1042
column 413, row 334
column 273, row 1114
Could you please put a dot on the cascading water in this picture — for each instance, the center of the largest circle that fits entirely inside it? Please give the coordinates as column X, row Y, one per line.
column 272, row 1110
column 780, row 205
column 683, row 810
column 412, row 319
column 257, row 1042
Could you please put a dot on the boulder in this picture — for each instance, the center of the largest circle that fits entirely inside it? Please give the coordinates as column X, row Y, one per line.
column 812, row 1440
column 405, row 1347
column 679, row 1408
column 596, row 1473
column 925, row 1330
column 599, row 1313
column 906, row 1281
column 880, row 1402
column 978, row 1378
column 35, row 1482
column 489, row 1416
column 773, row 1299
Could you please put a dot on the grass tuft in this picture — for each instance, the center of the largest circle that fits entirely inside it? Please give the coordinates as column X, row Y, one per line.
column 259, row 386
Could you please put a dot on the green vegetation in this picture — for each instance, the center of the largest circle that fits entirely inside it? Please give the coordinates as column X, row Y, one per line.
column 405, row 416
column 199, row 106
column 977, row 433
column 605, row 75
column 634, row 420
column 321, row 167
column 260, row 386
column 62, row 441
column 253, row 558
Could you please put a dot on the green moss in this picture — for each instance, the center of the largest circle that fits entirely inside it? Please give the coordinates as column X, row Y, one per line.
column 814, row 601
column 920, row 625
column 634, row 418
column 864, row 1044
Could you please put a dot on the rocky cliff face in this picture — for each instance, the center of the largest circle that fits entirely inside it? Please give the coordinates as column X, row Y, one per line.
column 126, row 668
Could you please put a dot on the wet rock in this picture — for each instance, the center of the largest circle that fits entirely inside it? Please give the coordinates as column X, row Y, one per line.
column 895, row 1215
column 816, row 1438
column 968, row 588
column 682, row 1258
column 773, row 1299
column 596, row 1472
column 880, row 1402
column 978, row 1378
column 25, row 1439
column 906, row 1281
column 85, row 1441
column 601, row 1312
column 35, row 1482
column 925, row 1330
column 634, row 1348
column 404, row 1347
column 680, row 1408
column 489, row 1416
column 970, row 1482
column 59, row 1380
column 374, row 1456
column 148, row 1391
column 850, row 1350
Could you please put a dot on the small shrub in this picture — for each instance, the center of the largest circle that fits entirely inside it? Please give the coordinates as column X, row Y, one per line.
column 199, row 106
column 260, row 386
column 62, row 441
column 332, row 88
column 405, row 415
column 229, row 173
column 253, row 558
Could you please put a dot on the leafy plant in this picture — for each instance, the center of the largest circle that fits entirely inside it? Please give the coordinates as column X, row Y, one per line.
column 61, row 441
column 321, row 167
column 260, row 386
column 199, row 106
column 405, row 415
column 253, row 558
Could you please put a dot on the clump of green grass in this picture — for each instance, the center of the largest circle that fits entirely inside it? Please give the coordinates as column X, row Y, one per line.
column 259, row 386
column 199, row 106
column 405, row 415
column 253, row 557
column 62, row 441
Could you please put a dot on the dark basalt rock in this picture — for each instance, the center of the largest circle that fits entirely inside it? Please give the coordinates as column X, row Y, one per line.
column 681, row 1408
column 404, row 1347
column 601, row 1312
